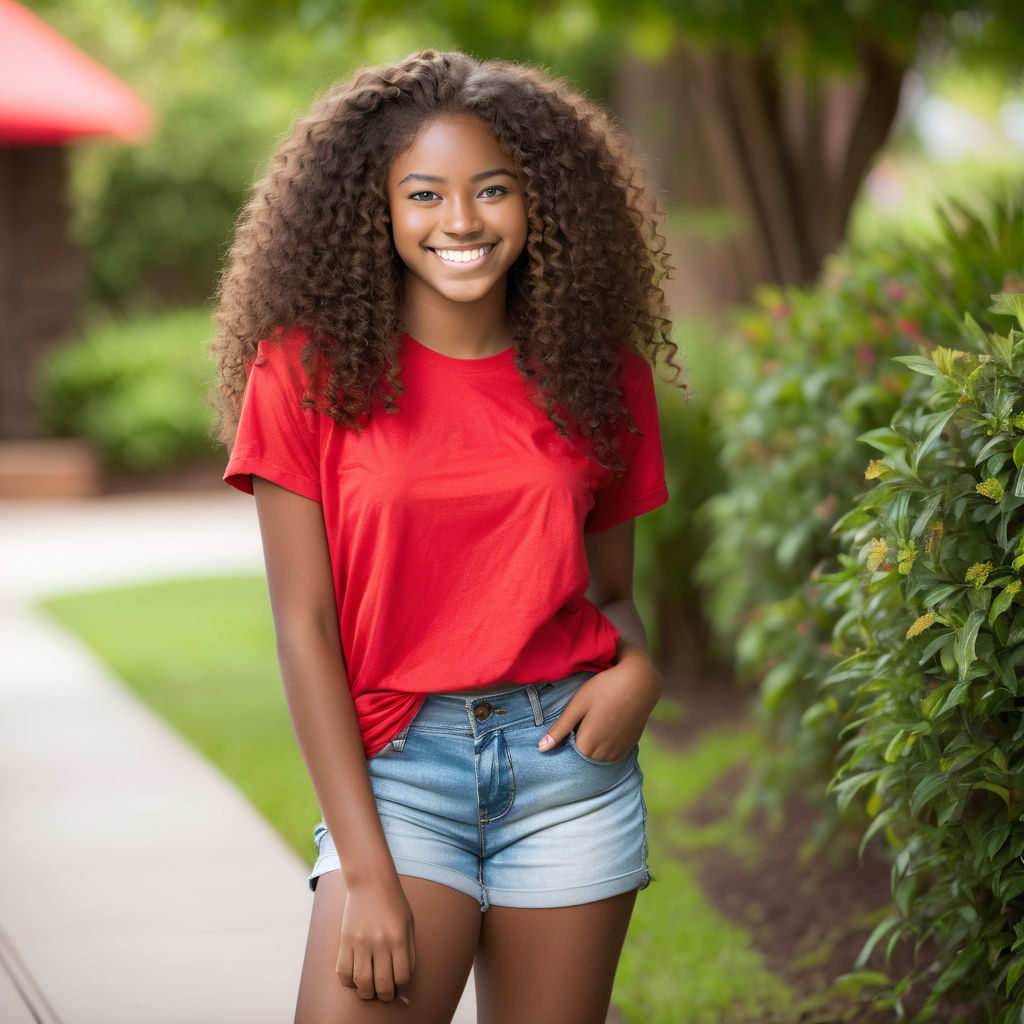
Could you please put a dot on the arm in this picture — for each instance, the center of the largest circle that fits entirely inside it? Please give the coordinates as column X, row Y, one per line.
column 377, row 949
column 610, row 710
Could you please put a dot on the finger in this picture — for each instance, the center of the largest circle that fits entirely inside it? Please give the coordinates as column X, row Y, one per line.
column 362, row 975
column 383, row 977
column 401, row 963
column 344, row 966
column 570, row 717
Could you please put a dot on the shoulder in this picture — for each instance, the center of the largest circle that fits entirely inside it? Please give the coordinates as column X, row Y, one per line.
column 282, row 348
column 637, row 379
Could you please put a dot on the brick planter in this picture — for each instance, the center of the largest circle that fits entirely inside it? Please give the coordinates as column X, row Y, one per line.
column 48, row 469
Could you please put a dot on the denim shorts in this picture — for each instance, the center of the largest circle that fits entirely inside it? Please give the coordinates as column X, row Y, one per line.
column 466, row 799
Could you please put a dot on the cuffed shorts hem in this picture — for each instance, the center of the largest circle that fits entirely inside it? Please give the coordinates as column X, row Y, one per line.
column 537, row 899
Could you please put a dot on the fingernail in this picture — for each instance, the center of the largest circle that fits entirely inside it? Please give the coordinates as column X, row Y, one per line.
column 405, row 999
column 546, row 742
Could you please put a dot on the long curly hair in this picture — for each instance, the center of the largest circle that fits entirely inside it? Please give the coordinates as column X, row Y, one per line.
column 313, row 246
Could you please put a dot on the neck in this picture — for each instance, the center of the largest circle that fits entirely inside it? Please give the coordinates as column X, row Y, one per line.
column 462, row 330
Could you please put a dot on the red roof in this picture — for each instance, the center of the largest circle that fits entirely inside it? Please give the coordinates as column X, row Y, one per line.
column 51, row 92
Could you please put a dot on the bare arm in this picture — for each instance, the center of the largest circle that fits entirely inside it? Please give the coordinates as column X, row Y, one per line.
column 610, row 710
column 377, row 949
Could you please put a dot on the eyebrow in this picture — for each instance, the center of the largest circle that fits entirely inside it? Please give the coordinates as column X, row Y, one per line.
column 434, row 180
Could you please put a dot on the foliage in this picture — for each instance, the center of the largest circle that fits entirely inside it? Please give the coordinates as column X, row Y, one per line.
column 929, row 695
column 668, row 540
column 137, row 389
column 155, row 218
column 812, row 371
column 224, row 78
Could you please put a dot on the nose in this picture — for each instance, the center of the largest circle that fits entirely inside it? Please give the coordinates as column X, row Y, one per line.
column 461, row 216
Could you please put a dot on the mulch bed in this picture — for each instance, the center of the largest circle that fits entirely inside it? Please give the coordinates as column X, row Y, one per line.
column 808, row 909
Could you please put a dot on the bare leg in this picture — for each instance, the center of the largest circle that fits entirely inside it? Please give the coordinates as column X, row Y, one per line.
column 551, row 966
column 447, row 932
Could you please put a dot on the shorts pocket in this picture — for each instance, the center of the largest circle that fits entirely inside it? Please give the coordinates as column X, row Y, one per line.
column 571, row 742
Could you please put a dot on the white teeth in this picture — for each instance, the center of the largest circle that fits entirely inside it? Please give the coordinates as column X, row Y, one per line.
column 462, row 255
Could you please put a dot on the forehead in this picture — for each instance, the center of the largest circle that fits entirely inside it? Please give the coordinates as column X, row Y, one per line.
column 452, row 143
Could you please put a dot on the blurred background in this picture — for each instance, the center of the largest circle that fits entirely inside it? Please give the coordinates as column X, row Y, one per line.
column 842, row 183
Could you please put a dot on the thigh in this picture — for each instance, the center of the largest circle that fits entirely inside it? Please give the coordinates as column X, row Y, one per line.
column 447, row 927
column 552, row 965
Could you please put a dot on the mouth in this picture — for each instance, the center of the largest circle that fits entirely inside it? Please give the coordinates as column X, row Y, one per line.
column 463, row 255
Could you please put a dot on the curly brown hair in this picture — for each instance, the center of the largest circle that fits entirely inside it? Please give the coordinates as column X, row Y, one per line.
column 313, row 246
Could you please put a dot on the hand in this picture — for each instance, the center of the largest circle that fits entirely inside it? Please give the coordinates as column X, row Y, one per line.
column 378, row 949
column 609, row 711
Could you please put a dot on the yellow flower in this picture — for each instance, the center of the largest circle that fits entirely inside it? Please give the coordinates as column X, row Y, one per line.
column 977, row 574
column 990, row 488
column 919, row 625
column 907, row 552
column 1012, row 588
column 876, row 467
column 877, row 550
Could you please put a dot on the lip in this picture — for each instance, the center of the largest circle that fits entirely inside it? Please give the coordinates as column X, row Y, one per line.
column 456, row 255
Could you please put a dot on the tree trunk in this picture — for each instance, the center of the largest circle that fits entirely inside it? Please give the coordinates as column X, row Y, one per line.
column 758, row 173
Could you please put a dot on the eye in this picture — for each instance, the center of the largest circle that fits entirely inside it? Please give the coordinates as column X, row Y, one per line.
column 493, row 191
column 423, row 197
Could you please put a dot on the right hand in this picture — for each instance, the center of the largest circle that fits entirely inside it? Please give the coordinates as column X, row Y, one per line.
column 378, row 948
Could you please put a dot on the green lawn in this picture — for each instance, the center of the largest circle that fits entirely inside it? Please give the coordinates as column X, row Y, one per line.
column 201, row 654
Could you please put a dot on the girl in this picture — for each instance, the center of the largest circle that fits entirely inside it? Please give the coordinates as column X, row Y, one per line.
column 430, row 343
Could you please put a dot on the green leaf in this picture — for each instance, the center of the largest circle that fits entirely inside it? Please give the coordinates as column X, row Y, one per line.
column 964, row 645
column 926, row 516
column 927, row 790
column 919, row 365
column 1012, row 977
column 1018, row 453
column 1000, row 791
column 1009, row 304
column 1002, row 601
column 931, row 703
column 936, row 645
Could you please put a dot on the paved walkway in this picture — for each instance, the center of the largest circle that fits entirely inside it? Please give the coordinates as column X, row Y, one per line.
column 137, row 885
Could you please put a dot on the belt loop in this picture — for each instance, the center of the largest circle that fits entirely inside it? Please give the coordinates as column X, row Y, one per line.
column 398, row 743
column 538, row 711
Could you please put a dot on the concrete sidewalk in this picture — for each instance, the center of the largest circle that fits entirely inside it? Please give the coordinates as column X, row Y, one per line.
column 137, row 885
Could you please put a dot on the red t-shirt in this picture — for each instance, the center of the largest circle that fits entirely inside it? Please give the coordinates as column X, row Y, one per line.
column 455, row 526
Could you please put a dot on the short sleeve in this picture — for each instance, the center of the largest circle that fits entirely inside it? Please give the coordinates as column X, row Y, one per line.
column 643, row 486
column 277, row 438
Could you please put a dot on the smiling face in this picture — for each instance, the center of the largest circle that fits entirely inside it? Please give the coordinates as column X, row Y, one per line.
column 458, row 212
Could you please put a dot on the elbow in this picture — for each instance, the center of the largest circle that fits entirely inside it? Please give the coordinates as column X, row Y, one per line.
column 301, row 636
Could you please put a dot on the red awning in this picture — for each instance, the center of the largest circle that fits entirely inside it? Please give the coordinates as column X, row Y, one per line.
column 51, row 92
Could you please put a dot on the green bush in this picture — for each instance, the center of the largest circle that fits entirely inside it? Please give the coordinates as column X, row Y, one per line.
column 137, row 389
column 813, row 370
column 669, row 541
column 929, row 695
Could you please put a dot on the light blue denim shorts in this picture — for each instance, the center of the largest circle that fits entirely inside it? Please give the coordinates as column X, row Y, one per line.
column 466, row 799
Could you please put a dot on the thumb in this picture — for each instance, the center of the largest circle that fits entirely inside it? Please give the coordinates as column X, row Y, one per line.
column 570, row 717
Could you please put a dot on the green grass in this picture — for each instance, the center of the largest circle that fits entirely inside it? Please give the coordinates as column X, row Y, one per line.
column 201, row 654
column 683, row 963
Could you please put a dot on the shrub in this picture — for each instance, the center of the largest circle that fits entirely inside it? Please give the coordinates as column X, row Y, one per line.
column 813, row 370
column 669, row 541
column 137, row 389
column 929, row 697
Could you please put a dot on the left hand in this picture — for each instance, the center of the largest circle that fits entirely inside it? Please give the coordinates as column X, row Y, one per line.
column 609, row 711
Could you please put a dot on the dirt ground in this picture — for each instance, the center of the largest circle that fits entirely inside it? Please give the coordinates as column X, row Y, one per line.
column 808, row 914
